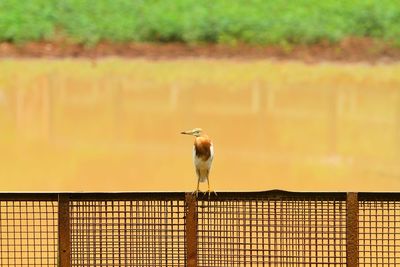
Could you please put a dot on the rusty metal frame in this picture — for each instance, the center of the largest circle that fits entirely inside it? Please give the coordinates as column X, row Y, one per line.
column 64, row 235
column 352, row 201
column 191, row 229
column 352, row 229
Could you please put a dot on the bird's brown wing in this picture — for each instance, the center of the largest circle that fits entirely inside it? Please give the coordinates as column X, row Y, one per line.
column 202, row 148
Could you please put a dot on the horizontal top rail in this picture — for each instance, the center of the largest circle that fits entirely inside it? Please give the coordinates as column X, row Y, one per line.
column 271, row 194
column 53, row 196
column 28, row 196
column 366, row 196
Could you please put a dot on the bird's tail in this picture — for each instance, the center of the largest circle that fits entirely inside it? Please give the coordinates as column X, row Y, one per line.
column 203, row 175
column 203, row 178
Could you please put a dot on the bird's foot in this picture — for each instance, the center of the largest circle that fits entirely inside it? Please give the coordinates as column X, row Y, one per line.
column 196, row 192
column 209, row 191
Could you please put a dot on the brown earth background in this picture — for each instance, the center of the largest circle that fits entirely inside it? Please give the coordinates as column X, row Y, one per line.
column 348, row 50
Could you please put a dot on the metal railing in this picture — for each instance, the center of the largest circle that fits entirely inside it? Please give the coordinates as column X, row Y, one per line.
column 272, row 228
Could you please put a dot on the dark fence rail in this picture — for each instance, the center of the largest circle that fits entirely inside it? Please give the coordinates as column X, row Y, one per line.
column 271, row 228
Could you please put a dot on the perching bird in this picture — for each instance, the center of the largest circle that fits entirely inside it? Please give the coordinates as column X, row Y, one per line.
column 203, row 154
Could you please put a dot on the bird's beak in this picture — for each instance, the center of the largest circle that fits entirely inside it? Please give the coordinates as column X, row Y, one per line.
column 187, row 132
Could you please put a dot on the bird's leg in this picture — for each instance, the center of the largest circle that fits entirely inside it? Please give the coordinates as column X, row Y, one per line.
column 209, row 189
column 196, row 192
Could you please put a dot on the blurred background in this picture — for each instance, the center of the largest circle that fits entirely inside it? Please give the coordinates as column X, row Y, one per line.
column 72, row 119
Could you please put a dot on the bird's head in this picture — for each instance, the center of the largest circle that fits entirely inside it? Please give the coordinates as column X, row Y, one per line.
column 195, row 132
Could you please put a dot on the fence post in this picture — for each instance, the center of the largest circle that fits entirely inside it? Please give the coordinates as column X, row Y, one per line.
column 352, row 229
column 64, row 234
column 191, row 230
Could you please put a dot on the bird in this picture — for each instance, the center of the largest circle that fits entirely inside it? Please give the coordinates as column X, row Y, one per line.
column 203, row 155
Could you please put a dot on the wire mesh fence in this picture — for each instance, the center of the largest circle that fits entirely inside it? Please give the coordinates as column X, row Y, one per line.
column 379, row 231
column 127, row 233
column 264, row 232
column 28, row 233
column 273, row 228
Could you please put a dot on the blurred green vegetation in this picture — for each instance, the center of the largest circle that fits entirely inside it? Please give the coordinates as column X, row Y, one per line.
column 279, row 22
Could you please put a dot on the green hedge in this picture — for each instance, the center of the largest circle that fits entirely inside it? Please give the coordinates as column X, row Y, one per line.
column 196, row 21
